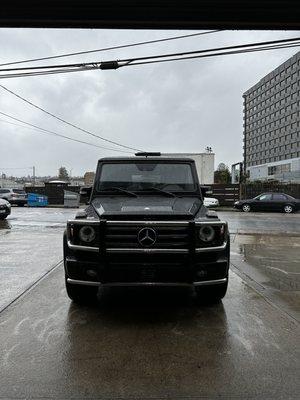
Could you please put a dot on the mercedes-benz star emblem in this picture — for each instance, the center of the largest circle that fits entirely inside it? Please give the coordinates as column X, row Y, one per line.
column 147, row 237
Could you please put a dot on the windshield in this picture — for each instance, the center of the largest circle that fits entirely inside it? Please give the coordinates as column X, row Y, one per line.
column 137, row 176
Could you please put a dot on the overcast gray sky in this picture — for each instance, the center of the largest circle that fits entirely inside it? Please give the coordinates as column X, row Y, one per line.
column 181, row 106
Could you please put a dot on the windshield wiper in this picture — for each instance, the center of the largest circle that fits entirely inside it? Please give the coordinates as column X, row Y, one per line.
column 170, row 194
column 128, row 192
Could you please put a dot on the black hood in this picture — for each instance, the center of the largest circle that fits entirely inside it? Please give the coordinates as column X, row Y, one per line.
column 149, row 207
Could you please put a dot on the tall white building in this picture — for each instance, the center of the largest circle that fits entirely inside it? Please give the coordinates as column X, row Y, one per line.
column 272, row 125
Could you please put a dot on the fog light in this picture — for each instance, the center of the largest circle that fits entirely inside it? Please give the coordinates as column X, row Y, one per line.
column 87, row 234
column 206, row 233
column 91, row 273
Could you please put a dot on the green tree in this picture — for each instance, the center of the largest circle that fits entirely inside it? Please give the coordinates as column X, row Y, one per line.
column 222, row 174
column 63, row 174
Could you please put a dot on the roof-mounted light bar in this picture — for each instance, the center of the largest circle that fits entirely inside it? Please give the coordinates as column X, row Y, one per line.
column 148, row 154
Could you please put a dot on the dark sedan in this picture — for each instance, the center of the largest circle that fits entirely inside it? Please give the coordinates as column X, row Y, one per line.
column 269, row 202
column 5, row 209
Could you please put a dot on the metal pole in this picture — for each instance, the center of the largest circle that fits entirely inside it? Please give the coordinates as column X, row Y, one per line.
column 33, row 175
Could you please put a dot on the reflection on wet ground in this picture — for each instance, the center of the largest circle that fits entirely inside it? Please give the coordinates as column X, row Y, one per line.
column 255, row 222
column 154, row 344
column 38, row 218
column 274, row 263
column 30, row 245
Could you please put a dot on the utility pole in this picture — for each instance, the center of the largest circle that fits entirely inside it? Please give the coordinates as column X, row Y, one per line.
column 33, row 175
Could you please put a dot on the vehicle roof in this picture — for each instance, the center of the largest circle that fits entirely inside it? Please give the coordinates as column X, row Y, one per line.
column 134, row 158
column 275, row 193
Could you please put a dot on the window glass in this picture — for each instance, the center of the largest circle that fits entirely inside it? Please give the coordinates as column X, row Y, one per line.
column 20, row 191
column 144, row 176
column 279, row 197
column 265, row 197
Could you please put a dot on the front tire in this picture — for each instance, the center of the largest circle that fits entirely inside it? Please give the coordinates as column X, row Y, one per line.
column 211, row 293
column 81, row 294
column 246, row 208
column 288, row 209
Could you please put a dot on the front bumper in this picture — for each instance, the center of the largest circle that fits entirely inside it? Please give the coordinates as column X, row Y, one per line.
column 4, row 212
column 237, row 206
column 211, row 205
column 107, row 266
column 18, row 202
column 148, row 284
column 148, row 269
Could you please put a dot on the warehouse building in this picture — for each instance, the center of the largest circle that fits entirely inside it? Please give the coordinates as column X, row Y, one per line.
column 272, row 125
column 205, row 163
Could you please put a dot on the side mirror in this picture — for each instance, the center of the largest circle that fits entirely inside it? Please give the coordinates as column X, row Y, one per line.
column 85, row 193
column 204, row 190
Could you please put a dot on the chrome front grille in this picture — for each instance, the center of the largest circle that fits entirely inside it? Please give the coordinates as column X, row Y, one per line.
column 127, row 236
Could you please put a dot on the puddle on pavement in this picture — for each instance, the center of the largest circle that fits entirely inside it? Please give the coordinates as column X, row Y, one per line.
column 275, row 258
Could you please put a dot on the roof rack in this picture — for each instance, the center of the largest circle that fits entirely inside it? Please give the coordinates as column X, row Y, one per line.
column 148, row 154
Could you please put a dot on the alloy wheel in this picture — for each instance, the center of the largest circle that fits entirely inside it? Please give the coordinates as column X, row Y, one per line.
column 246, row 208
column 288, row 209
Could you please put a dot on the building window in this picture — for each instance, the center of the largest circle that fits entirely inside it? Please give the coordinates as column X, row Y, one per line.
column 279, row 169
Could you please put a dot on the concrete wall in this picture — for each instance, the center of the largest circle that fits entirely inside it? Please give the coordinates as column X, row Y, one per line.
column 7, row 183
column 205, row 164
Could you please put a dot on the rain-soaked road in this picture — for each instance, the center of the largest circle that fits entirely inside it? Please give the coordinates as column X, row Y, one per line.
column 152, row 344
column 30, row 245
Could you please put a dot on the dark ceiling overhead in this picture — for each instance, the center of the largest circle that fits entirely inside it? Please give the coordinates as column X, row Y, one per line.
column 153, row 14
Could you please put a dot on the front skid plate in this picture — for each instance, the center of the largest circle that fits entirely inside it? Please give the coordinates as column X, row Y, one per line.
column 130, row 284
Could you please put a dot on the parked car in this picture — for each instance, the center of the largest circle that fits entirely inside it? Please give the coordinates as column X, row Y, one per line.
column 14, row 196
column 269, row 202
column 5, row 209
column 211, row 202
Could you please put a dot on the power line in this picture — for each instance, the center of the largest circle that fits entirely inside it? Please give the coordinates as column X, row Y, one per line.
column 67, row 122
column 157, row 59
column 47, row 131
column 118, row 63
column 2, row 168
column 212, row 55
column 110, row 48
column 239, row 47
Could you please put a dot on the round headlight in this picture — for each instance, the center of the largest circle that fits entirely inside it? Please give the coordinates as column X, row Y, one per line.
column 206, row 233
column 87, row 234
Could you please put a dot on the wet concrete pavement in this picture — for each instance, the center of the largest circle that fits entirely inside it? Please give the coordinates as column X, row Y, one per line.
column 254, row 222
column 147, row 345
column 30, row 245
column 272, row 265
column 150, row 344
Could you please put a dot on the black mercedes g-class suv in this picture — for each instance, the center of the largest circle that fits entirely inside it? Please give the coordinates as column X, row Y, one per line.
column 146, row 225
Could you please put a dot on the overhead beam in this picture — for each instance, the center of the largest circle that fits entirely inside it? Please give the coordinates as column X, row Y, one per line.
column 151, row 14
